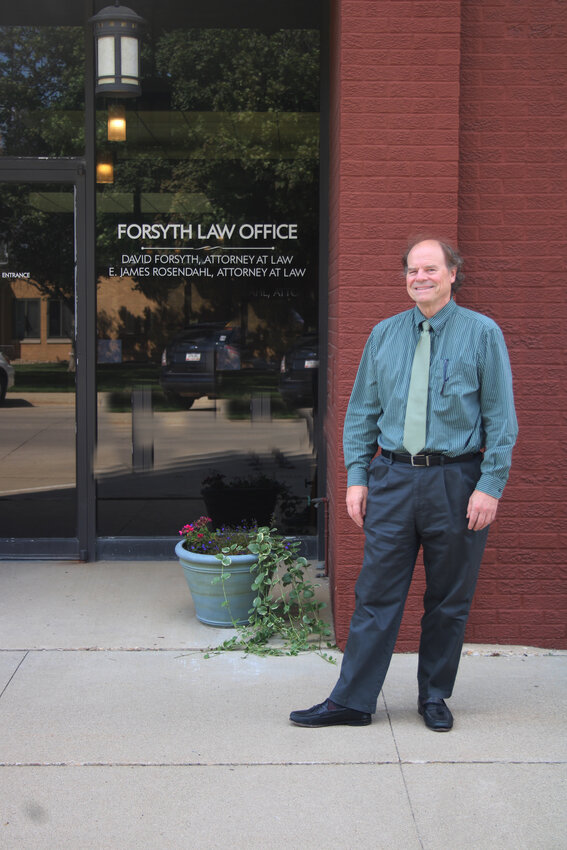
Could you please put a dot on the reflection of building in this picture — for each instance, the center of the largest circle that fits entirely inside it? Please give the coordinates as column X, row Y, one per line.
column 35, row 328
column 41, row 328
column 427, row 123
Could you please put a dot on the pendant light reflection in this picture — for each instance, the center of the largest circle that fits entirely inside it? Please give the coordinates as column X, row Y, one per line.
column 105, row 169
column 116, row 128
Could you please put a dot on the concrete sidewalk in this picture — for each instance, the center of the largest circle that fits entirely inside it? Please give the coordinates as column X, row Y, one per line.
column 117, row 732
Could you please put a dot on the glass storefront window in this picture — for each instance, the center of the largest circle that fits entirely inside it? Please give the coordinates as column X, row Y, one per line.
column 207, row 247
column 206, row 274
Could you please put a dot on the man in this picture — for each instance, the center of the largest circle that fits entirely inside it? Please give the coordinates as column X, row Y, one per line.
column 446, row 441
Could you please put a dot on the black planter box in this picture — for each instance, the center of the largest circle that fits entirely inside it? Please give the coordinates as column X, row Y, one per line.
column 238, row 505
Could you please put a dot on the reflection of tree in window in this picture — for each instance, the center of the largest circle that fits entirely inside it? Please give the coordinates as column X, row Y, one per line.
column 42, row 84
column 41, row 114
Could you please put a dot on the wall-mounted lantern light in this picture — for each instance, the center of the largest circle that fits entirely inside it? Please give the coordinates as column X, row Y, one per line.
column 117, row 31
column 116, row 127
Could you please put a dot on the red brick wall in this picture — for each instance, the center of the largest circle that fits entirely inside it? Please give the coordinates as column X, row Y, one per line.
column 512, row 231
column 332, row 419
column 449, row 116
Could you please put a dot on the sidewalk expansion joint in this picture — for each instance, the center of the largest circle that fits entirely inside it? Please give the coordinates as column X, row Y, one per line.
column 245, row 764
column 183, row 649
column 7, row 685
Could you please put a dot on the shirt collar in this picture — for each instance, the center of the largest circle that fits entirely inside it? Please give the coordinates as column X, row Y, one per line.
column 437, row 321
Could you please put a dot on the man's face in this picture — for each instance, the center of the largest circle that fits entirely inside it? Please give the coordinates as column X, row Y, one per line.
column 428, row 279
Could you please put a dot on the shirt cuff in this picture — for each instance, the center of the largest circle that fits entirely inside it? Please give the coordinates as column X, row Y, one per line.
column 491, row 485
column 357, row 476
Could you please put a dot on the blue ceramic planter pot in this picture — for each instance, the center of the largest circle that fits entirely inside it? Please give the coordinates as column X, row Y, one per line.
column 208, row 598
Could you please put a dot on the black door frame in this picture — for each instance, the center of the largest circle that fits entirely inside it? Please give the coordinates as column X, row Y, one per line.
column 70, row 171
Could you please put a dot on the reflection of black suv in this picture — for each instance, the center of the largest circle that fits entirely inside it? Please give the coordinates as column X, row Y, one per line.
column 299, row 373
column 191, row 362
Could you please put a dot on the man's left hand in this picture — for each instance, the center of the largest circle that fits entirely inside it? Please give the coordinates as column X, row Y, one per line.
column 481, row 510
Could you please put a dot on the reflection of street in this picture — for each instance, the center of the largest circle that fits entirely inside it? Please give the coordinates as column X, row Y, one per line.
column 203, row 432
column 187, row 447
column 37, row 466
column 37, row 443
column 37, row 463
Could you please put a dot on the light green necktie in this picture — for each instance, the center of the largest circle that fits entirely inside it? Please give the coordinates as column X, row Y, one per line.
column 416, row 410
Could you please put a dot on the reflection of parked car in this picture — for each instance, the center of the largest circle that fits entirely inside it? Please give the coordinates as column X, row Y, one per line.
column 6, row 376
column 299, row 373
column 190, row 363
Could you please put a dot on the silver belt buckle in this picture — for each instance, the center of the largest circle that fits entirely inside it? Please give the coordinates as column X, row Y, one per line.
column 420, row 464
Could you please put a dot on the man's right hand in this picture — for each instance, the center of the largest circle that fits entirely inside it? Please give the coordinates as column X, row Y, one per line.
column 356, row 496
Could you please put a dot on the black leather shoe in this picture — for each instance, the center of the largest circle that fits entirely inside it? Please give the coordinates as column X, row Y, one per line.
column 328, row 714
column 435, row 714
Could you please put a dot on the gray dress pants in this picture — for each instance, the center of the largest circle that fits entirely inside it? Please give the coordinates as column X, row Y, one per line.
column 409, row 507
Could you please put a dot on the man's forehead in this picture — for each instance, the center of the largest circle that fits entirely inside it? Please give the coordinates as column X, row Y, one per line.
column 427, row 251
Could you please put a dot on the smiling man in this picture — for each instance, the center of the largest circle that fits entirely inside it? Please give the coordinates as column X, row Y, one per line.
column 434, row 393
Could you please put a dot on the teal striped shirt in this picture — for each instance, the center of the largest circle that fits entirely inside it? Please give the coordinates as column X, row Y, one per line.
column 470, row 405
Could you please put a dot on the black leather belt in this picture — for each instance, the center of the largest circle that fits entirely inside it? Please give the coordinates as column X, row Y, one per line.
column 427, row 458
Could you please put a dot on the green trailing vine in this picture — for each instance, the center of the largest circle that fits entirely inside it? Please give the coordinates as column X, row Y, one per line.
column 285, row 617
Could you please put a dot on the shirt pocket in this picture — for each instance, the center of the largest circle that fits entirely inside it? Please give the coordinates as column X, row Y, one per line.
column 456, row 377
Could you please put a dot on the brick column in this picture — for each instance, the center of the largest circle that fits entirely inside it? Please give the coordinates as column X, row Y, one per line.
column 512, row 228
column 394, row 172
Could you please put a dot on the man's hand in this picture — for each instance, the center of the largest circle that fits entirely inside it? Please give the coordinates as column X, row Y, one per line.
column 356, row 496
column 481, row 510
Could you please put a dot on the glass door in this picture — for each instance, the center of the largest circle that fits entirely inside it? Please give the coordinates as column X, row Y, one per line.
column 38, row 360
